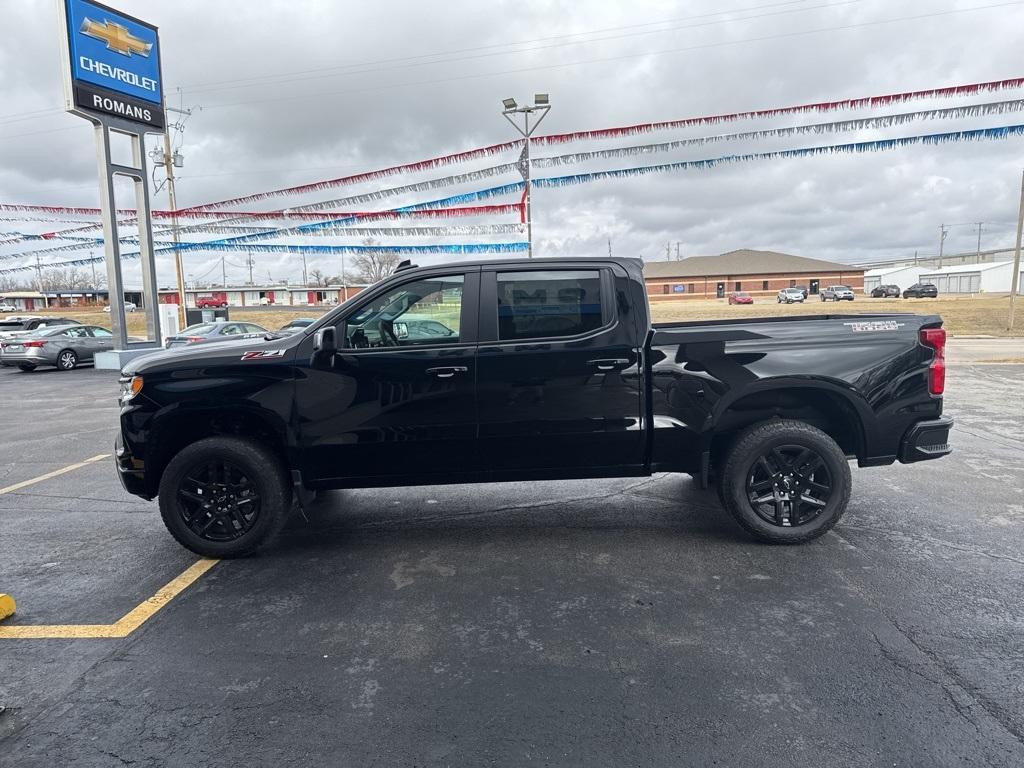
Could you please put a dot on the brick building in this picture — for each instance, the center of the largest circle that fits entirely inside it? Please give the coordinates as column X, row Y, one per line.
column 760, row 273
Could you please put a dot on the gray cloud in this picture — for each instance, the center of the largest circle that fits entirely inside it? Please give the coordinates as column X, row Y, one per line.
column 372, row 111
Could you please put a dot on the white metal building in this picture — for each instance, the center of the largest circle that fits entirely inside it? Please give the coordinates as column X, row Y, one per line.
column 904, row 277
column 971, row 278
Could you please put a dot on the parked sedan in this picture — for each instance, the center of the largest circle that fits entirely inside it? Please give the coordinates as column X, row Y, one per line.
column 885, row 292
column 921, row 291
column 65, row 347
column 222, row 331
column 837, row 293
column 128, row 307
column 789, row 295
column 739, row 297
column 14, row 327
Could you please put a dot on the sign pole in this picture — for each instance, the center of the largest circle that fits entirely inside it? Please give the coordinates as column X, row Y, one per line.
column 113, row 78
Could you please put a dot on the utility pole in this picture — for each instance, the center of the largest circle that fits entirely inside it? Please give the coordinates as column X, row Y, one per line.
column 678, row 258
column 609, row 247
column 944, row 230
column 668, row 251
column 249, row 263
column 1015, row 279
column 977, row 259
column 170, row 160
column 542, row 104
column 39, row 279
column 305, row 279
column 223, row 272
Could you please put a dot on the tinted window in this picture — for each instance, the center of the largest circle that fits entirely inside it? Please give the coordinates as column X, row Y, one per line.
column 199, row 330
column 426, row 311
column 537, row 305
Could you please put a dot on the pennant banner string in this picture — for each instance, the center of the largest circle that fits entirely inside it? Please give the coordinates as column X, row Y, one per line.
column 856, row 147
column 883, row 121
column 825, row 106
column 602, row 133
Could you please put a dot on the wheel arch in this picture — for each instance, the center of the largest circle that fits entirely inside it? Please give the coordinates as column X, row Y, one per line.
column 830, row 407
column 179, row 427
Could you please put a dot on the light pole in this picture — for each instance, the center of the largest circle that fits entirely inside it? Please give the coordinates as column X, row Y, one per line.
column 541, row 104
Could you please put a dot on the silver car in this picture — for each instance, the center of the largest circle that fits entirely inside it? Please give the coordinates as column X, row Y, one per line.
column 65, row 347
column 789, row 295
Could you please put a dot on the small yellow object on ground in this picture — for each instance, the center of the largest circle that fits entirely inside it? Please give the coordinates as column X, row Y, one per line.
column 7, row 606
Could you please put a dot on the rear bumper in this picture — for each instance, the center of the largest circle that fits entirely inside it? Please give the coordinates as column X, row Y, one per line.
column 926, row 440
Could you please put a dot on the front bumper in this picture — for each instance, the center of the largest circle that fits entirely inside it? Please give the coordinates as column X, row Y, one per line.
column 926, row 440
column 130, row 471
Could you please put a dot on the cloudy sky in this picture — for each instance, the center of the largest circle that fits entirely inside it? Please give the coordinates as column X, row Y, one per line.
column 292, row 92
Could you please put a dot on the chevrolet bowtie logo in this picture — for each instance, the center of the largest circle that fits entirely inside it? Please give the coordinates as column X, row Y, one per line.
column 116, row 36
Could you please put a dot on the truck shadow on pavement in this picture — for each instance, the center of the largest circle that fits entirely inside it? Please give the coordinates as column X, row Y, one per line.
column 667, row 503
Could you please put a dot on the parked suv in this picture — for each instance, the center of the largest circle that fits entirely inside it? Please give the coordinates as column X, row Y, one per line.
column 837, row 293
column 921, row 291
column 789, row 295
column 885, row 292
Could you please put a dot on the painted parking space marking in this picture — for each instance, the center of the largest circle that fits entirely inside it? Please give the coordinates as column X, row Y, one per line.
column 128, row 623
column 124, row 626
column 55, row 473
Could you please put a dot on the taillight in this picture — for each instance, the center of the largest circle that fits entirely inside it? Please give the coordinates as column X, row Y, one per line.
column 195, row 339
column 936, row 339
column 34, row 344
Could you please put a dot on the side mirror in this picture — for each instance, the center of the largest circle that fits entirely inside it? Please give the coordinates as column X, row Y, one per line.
column 325, row 344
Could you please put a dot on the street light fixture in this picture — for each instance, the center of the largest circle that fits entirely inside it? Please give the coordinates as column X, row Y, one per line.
column 541, row 104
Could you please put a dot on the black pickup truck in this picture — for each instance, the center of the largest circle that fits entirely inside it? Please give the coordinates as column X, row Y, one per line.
column 528, row 370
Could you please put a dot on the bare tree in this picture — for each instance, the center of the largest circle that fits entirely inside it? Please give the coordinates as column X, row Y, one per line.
column 373, row 266
column 318, row 279
column 69, row 277
column 13, row 283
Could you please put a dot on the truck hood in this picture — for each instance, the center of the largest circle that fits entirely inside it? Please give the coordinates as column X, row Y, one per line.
column 211, row 353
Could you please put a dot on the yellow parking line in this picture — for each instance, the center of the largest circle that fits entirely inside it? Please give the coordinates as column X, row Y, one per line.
column 124, row 626
column 55, row 473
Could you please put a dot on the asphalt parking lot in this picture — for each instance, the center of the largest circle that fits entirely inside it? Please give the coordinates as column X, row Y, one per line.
column 618, row 622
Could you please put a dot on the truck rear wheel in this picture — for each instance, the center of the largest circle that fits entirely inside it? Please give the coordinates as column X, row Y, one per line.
column 785, row 482
column 224, row 496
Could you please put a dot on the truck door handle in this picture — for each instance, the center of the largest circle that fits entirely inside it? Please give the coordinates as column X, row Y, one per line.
column 447, row 372
column 612, row 364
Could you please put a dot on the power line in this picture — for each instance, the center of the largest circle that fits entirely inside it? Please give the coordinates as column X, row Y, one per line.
column 415, row 61
column 18, row 116
column 622, row 57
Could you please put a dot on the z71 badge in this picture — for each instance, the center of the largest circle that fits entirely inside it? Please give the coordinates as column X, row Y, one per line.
column 263, row 354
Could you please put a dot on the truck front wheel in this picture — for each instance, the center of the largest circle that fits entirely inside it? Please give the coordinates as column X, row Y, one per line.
column 785, row 482
column 224, row 496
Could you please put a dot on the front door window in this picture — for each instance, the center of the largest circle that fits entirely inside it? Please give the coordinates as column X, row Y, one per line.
column 419, row 313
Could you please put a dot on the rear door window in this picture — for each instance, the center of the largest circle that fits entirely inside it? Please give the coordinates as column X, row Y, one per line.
column 548, row 304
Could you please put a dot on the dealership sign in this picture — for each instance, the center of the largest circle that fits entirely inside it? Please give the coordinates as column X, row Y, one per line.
column 112, row 64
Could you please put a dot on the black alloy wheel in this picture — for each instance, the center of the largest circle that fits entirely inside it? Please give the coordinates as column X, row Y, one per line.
column 217, row 501
column 784, row 481
column 789, row 485
column 225, row 496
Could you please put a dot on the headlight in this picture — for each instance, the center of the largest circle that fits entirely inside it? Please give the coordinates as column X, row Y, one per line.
column 130, row 387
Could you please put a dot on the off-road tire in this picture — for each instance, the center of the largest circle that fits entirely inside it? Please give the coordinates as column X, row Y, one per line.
column 262, row 467
column 761, row 438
